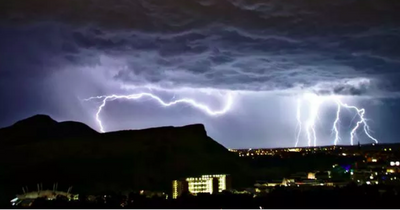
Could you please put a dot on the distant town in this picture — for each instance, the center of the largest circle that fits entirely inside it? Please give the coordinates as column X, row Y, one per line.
column 367, row 170
column 181, row 167
column 366, row 164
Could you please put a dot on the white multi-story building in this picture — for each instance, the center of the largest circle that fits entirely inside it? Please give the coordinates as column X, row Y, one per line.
column 203, row 184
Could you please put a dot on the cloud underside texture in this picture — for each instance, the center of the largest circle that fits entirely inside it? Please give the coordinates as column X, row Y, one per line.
column 245, row 45
column 54, row 53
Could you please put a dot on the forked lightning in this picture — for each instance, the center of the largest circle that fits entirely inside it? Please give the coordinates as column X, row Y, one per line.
column 315, row 102
column 138, row 96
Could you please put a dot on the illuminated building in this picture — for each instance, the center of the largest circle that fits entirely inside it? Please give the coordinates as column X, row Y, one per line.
column 288, row 182
column 179, row 187
column 311, row 176
column 204, row 184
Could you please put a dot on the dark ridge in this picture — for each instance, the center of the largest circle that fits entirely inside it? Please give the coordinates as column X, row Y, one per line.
column 42, row 128
column 73, row 154
column 198, row 129
column 39, row 120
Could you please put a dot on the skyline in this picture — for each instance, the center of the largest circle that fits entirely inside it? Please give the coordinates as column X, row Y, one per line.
column 266, row 55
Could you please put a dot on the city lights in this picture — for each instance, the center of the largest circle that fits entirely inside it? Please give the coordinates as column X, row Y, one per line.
column 202, row 184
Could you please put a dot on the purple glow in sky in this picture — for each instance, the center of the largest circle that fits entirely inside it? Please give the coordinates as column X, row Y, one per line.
column 265, row 54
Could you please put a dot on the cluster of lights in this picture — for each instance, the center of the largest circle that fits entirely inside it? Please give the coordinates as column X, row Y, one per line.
column 271, row 152
column 292, row 182
column 293, row 150
column 393, row 163
column 252, row 154
column 369, row 182
column 206, row 177
column 204, row 184
column 390, row 171
column 175, row 189
column 203, row 188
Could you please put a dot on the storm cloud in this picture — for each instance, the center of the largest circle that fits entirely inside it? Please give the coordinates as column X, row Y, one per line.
column 76, row 49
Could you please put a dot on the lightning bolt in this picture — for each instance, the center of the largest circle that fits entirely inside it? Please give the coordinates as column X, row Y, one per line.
column 315, row 103
column 298, row 116
column 310, row 124
column 362, row 120
column 335, row 124
column 203, row 107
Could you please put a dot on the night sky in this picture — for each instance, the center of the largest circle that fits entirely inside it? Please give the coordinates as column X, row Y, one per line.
column 267, row 54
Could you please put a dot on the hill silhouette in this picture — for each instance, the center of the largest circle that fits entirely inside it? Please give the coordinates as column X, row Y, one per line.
column 42, row 128
column 39, row 149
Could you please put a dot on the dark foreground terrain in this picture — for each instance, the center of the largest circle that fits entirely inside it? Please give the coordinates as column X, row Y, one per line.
column 347, row 197
column 41, row 150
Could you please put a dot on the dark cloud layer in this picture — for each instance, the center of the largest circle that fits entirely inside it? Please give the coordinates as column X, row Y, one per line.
column 347, row 47
column 237, row 44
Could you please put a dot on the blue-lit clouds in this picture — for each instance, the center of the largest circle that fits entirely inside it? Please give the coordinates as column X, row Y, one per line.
column 267, row 52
